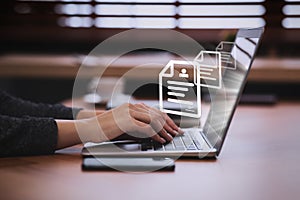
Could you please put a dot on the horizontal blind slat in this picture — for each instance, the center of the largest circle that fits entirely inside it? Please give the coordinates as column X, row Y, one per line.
column 147, row 13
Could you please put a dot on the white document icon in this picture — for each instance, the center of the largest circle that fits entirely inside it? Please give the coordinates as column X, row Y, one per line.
column 209, row 69
column 178, row 85
column 228, row 53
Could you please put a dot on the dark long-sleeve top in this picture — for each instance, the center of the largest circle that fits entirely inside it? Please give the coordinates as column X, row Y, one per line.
column 28, row 128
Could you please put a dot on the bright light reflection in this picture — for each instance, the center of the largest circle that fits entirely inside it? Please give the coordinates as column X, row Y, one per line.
column 221, row 1
column 291, row 22
column 113, row 22
column 216, row 10
column 136, row 10
column 155, row 23
column 291, row 10
column 218, row 23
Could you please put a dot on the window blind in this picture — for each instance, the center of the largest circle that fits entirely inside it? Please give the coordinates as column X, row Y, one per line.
column 291, row 10
column 171, row 14
column 86, row 22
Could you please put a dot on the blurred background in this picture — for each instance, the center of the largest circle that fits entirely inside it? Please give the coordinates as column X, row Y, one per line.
column 43, row 41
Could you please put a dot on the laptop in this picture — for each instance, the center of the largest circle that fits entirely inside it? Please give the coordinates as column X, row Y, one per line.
column 206, row 141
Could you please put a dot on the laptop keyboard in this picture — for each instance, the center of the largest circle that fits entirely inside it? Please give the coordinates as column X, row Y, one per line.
column 188, row 141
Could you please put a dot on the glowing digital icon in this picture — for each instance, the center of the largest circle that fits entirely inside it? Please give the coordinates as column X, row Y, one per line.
column 228, row 53
column 209, row 69
column 180, row 79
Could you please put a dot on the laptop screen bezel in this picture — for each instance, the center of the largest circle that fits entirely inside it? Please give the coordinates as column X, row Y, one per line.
column 244, row 33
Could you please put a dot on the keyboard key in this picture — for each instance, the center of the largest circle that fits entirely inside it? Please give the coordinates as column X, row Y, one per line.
column 179, row 145
column 169, row 147
column 143, row 147
column 187, row 140
column 194, row 136
column 147, row 145
column 191, row 147
column 180, row 148
column 178, row 142
column 198, row 144
column 157, row 146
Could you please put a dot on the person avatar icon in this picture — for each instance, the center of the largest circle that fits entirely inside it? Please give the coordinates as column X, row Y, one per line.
column 183, row 73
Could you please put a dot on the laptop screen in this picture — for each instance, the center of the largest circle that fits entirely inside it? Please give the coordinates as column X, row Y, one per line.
column 225, row 100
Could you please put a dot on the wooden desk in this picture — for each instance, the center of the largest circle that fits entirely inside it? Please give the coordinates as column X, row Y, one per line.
column 260, row 160
column 67, row 66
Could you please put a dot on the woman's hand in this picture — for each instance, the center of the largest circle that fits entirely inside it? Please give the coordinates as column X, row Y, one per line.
column 137, row 120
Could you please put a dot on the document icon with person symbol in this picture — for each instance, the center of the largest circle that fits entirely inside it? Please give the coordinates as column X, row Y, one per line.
column 178, row 85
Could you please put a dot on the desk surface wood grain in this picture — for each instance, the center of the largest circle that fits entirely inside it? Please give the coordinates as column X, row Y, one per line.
column 260, row 160
column 68, row 66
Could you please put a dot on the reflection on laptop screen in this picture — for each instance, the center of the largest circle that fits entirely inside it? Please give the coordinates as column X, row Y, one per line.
column 225, row 100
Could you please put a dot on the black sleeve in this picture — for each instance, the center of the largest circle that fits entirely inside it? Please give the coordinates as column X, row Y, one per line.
column 12, row 106
column 27, row 136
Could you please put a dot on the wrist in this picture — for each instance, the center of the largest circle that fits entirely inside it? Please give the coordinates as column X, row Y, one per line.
column 84, row 114
column 67, row 134
column 89, row 130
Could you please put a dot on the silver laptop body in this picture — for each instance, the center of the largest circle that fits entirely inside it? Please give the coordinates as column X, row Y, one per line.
column 208, row 140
